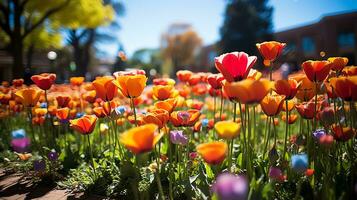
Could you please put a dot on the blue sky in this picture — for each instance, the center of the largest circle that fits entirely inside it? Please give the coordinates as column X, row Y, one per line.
column 145, row 20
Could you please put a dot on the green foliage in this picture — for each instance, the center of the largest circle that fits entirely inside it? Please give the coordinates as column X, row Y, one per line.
column 84, row 14
column 246, row 22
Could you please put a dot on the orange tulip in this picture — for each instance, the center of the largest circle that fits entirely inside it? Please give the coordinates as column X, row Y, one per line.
column 345, row 87
column 343, row 133
column 291, row 105
column 40, row 112
column 247, row 91
column 89, row 96
column 329, row 91
column 184, row 90
column 270, row 51
column 350, row 71
column 5, row 98
column 254, row 74
column 84, row 125
column 213, row 152
column 227, row 129
column 38, row 120
column 5, row 83
column 163, row 92
column 158, row 117
column 28, row 96
column 272, row 104
column 292, row 118
column 141, row 139
column 44, row 81
column 200, row 89
column 131, row 86
column 288, row 88
column 139, row 119
column 99, row 112
column 194, row 104
column 62, row 113
column 316, row 71
column 194, row 79
column 24, row 156
column 306, row 109
column 184, row 118
column 306, row 90
column 338, row 63
column 18, row 82
column 105, row 88
column 63, row 101
column 120, row 121
column 14, row 106
column 76, row 81
column 184, row 75
column 52, row 110
column 168, row 105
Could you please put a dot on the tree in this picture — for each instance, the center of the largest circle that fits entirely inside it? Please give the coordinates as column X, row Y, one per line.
column 83, row 36
column 179, row 45
column 246, row 22
column 19, row 18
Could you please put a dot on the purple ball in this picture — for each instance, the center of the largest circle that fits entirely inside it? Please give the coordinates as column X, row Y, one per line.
column 231, row 187
column 319, row 133
column 20, row 145
column 39, row 165
column 52, row 156
column 275, row 173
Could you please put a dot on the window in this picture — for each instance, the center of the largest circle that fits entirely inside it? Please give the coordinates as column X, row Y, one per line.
column 290, row 47
column 346, row 40
column 308, row 45
column 211, row 55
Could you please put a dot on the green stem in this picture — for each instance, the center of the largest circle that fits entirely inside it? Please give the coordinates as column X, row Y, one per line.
column 315, row 108
column 158, row 180
column 214, row 109
column 230, row 155
column 286, row 127
column 221, row 108
column 267, row 135
column 133, row 107
column 91, row 155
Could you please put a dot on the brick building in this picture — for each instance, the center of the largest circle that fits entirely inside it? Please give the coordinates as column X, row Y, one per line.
column 332, row 35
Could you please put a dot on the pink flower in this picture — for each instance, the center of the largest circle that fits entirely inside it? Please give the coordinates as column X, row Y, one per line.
column 235, row 66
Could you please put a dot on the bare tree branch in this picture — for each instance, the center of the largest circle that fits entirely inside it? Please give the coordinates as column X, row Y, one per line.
column 5, row 24
column 24, row 2
column 44, row 17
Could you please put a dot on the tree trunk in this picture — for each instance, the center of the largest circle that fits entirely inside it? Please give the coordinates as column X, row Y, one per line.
column 28, row 70
column 81, row 50
column 86, row 51
column 17, row 45
column 17, row 56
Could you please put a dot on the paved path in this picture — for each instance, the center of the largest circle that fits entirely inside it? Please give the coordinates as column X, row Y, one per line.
column 14, row 187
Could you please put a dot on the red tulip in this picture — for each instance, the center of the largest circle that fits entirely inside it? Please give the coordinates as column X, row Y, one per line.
column 235, row 66
column 316, row 71
column 44, row 81
column 215, row 80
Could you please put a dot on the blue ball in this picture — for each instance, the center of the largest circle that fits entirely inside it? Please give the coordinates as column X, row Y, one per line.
column 120, row 110
column 204, row 122
column 43, row 105
column 299, row 162
column 78, row 115
column 19, row 133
